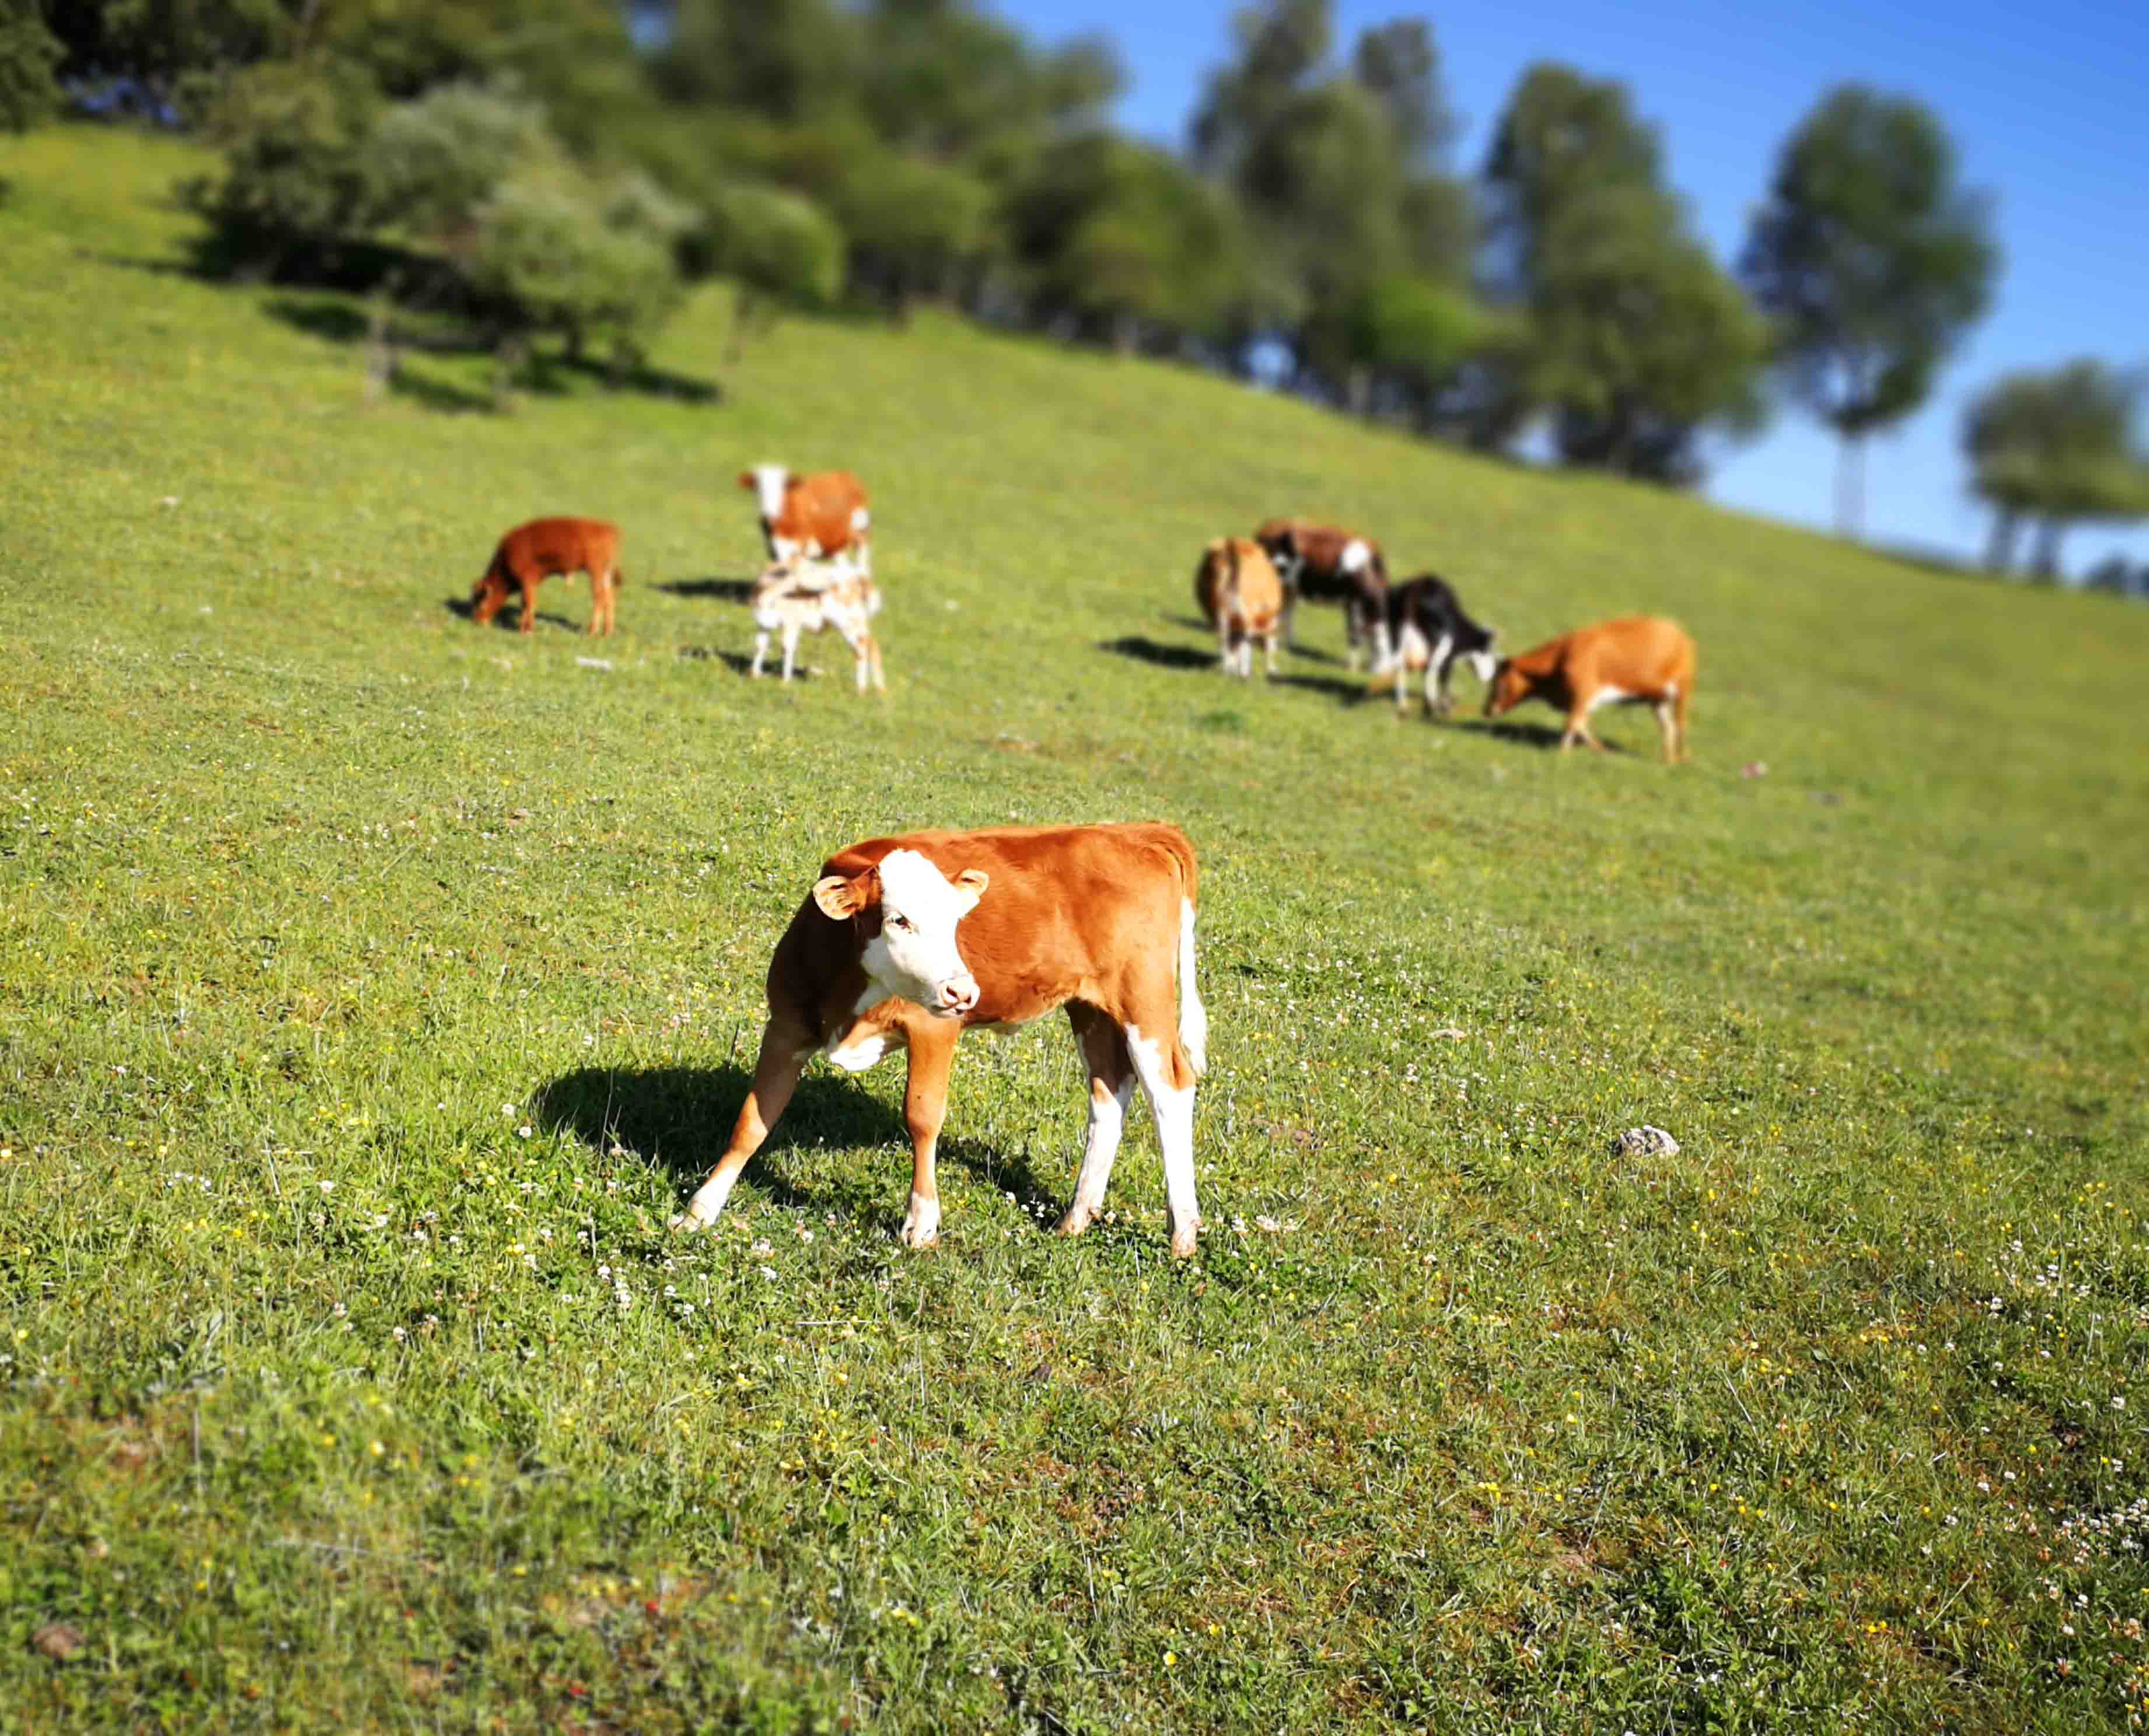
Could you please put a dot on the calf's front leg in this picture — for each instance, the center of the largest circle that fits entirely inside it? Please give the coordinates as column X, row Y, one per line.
column 784, row 1049
column 924, row 1107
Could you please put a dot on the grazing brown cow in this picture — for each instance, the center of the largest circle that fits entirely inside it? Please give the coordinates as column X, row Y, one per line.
column 1237, row 588
column 1098, row 919
column 530, row 553
column 811, row 518
column 1641, row 658
column 1328, row 565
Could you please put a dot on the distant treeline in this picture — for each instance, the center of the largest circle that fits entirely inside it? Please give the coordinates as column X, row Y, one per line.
column 556, row 174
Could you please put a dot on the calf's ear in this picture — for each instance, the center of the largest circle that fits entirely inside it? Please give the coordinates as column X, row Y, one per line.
column 840, row 900
column 746, row 482
column 971, row 883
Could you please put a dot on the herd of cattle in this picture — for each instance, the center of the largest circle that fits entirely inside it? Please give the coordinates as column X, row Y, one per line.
column 910, row 941
column 819, row 533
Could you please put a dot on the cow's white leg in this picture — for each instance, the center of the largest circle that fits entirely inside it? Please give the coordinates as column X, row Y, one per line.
column 1436, row 702
column 1111, row 1088
column 760, row 649
column 1171, row 1101
column 790, row 647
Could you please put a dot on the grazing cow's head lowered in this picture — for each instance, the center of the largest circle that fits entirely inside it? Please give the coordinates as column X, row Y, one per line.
column 910, row 910
column 1507, row 688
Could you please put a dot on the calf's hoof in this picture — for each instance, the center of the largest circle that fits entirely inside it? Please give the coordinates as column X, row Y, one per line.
column 921, row 1227
column 687, row 1223
column 1182, row 1244
column 1074, row 1223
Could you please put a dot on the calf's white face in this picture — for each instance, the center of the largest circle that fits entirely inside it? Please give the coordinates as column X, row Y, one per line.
column 914, row 955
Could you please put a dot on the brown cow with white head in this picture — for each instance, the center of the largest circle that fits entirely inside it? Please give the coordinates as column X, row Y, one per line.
column 811, row 518
column 911, row 940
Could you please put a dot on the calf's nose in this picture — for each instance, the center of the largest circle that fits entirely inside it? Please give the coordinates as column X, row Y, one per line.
column 960, row 994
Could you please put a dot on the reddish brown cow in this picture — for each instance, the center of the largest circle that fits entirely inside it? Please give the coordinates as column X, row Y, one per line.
column 811, row 518
column 1097, row 919
column 1239, row 591
column 530, row 553
column 1324, row 563
column 1641, row 658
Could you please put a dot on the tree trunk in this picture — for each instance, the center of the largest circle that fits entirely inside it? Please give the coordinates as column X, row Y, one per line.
column 735, row 338
column 1358, row 391
column 508, row 356
column 1851, row 487
column 1999, row 552
column 2044, row 555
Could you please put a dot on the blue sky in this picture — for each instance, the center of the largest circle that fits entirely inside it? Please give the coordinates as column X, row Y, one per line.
column 2048, row 104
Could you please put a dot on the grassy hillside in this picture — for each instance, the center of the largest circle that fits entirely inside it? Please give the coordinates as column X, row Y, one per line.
column 377, row 985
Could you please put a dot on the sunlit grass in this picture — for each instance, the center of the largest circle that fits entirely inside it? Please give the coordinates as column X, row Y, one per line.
column 375, row 984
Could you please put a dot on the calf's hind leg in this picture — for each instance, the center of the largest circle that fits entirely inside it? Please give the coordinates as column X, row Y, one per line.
column 1161, row 1065
column 1112, row 1071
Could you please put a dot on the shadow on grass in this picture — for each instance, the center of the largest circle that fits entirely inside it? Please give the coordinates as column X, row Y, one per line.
column 509, row 620
column 738, row 661
column 1164, row 656
column 1349, row 690
column 681, row 1118
column 449, row 330
column 1544, row 737
column 726, row 590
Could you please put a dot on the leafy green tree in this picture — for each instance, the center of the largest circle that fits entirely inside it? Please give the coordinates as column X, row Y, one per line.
column 1628, row 331
column 1120, row 239
column 1873, row 260
column 183, row 51
column 777, row 248
column 2059, row 447
column 297, row 174
column 1338, row 169
column 29, row 53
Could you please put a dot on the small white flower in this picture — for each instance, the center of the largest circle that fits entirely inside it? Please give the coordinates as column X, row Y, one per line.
column 523, row 1132
column 399, row 1335
column 328, row 1187
column 507, row 1109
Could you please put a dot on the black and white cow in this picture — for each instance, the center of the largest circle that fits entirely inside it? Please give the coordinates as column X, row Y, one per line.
column 1428, row 630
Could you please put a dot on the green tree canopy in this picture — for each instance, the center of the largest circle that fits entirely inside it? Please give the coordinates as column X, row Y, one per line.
column 2061, row 446
column 1628, row 333
column 29, row 53
column 1873, row 260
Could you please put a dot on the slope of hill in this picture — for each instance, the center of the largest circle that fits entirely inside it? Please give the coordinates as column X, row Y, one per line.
column 376, row 983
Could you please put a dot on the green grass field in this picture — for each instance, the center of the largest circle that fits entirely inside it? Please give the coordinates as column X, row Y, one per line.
column 375, row 985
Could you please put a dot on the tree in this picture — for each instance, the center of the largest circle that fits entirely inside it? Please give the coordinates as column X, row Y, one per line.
column 2059, row 447
column 1118, row 237
column 1338, row 170
column 777, row 248
column 29, row 53
column 1627, row 330
column 1873, row 260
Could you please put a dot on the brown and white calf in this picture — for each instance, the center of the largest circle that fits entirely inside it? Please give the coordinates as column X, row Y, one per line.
column 812, row 597
column 811, row 518
column 1326, row 564
column 1641, row 659
column 530, row 553
column 911, row 941
column 1239, row 590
